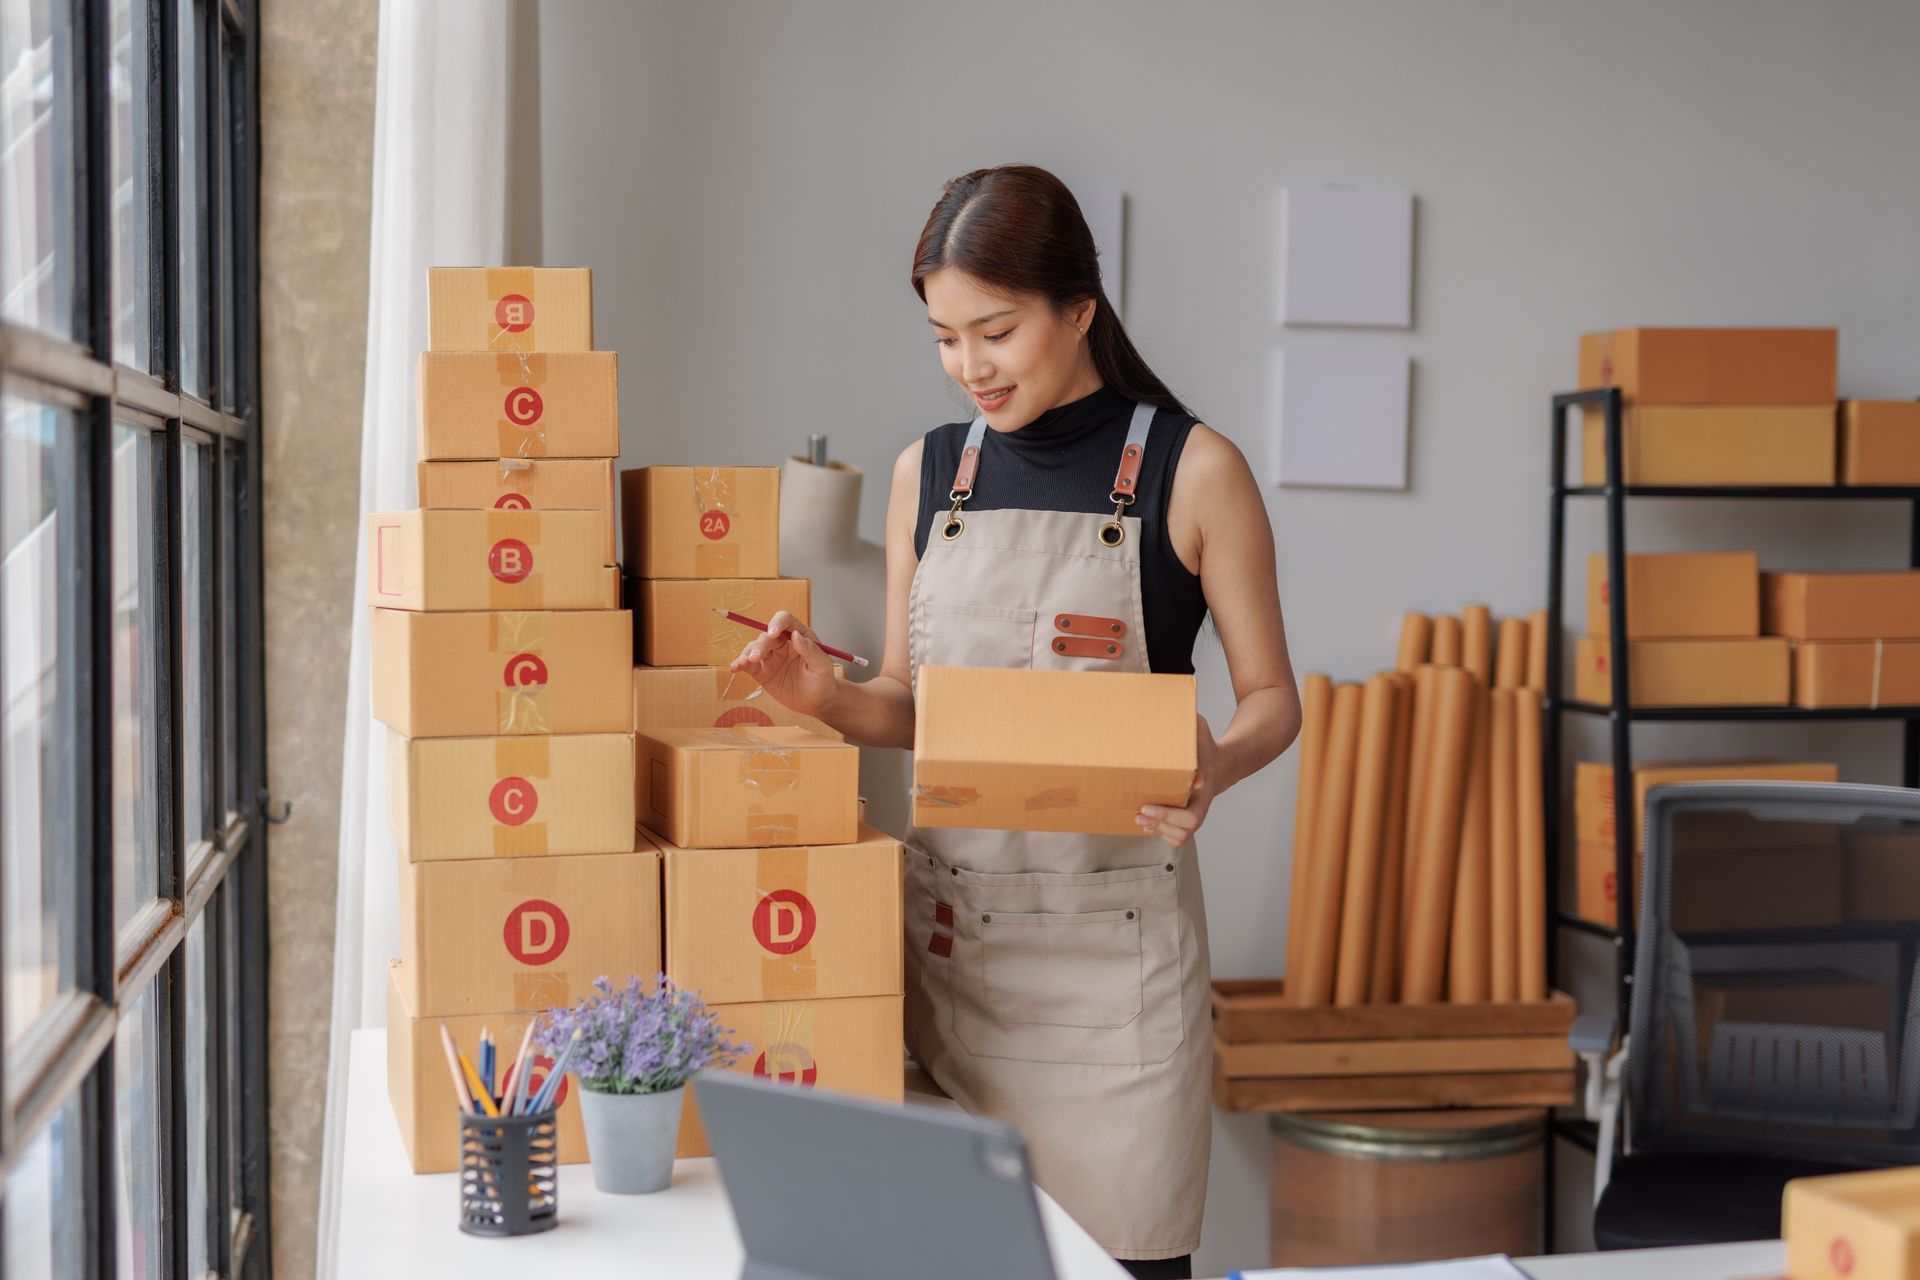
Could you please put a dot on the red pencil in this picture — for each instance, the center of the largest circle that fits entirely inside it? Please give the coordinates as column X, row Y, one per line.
column 827, row 649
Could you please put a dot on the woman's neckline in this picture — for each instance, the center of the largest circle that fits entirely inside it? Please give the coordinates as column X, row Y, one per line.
column 1065, row 423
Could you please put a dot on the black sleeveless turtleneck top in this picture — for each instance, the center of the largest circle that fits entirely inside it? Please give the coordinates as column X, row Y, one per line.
column 1064, row 460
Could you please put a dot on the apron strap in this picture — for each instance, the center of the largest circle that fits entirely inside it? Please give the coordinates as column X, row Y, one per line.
column 1126, row 481
column 969, row 460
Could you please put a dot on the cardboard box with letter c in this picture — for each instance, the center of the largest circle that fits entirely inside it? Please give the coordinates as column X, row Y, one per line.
column 519, row 405
column 441, row 675
column 450, row 798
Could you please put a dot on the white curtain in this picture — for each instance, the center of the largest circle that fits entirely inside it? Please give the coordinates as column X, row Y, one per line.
column 440, row 198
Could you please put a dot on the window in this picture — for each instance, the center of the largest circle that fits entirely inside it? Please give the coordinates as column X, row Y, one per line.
column 133, row 1093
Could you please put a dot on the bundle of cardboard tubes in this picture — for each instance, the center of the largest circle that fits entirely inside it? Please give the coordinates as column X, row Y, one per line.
column 1419, row 848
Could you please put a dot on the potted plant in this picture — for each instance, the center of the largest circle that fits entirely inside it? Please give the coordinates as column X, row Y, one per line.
column 638, row 1046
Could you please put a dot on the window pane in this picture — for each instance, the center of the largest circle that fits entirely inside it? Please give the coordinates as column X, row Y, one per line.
column 196, row 584
column 193, row 200
column 231, row 532
column 36, row 814
column 224, row 237
column 130, row 86
column 199, row 1116
column 137, row 1100
column 37, row 147
column 44, row 1189
column 136, row 677
column 238, row 304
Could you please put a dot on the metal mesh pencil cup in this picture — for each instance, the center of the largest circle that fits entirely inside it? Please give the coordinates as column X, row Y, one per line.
column 509, row 1174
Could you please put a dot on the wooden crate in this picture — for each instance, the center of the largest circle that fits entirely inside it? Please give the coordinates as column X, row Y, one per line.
column 1269, row 1055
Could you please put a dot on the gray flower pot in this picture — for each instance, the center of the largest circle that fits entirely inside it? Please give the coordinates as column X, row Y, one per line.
column 631, row 1137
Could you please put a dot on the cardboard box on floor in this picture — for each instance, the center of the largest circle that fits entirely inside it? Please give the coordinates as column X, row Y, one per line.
column 421, row 1091
column 1856, row 673
column 484, row 674
column 745, row 787
column 526, row 934
column 1842, row 606
column 480, row 405
column 1678, row 595
column 809, row 922
column 1680, row 366
column 847, row 1046
column 468, row 560
column 1688, row 673
column 680, row 622
column 1020, row 749
column 1849, row 1226
column 1883, row 873
column 1685, row 445
column 1593, row 800
column 456, row 798
column 1880, row 442
column 509, row 309
column 525, row 484
column 700, row 522
column 707, row 698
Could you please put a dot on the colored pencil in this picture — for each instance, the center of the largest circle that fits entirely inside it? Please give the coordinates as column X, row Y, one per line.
column 460, row 1091
column 521, row 1069
column 480, row 1094
column 551, row 1085
column 827, row 649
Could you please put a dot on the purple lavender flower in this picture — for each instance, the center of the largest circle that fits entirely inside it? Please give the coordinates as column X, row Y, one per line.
column 638, row 1040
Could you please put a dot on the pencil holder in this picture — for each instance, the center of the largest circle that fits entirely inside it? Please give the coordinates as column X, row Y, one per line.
column 509, row 1176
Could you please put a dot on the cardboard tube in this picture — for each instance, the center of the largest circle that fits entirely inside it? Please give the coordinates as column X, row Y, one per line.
column 1529, row 802
column 1510, row 654
column 1383, row 979
column 1537, row 651
column 1504, row 897
column 1469, row 949
column 1476, row 641
column 1316, row 709
column 1446, row 641
column 1321, row 921
column 1424, row 685
column 1416, row 637
column 1430, row 910
column 1360, row 903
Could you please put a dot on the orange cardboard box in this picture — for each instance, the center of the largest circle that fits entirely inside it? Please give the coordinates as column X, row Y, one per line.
column 1688, row 445
column 705, row 698
column 1676, row 595
column 845, row 1046
column 1593, row 802
column 422, row 1095
column 525, row 484
column 1667, row 366
column 1688, row 673
column 681, row 622
column 746, row 788
column 463, row 560
column 526, row 934
column 509, row 309
column 1883, row 873
column 510, row 797
column 800, row 923
column 1025, row 750
column 1856, row 673
column 1842, row 606
column 519, row 404
column 1850, row 1226
column 440, row 675
column 1880, row 442
column 1596, row 886
column 701, row 522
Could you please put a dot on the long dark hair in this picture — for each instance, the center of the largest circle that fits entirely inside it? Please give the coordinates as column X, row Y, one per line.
column 1017, row 229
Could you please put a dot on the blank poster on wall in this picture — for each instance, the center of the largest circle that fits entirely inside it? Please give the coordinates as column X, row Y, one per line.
column 1346, row 256
column 1105, row 210
column 1343, row 417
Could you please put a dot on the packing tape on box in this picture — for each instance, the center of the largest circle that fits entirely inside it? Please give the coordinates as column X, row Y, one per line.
column 521, row 375
column 515, row 800
column 768, row 774
column 513, row 560
column 503, row 282
column 945, row 797
column 716, row 554
column 786, row 1044
column 537, row 990
column 522, row 637
column 1054, row 798
column 784, row 923
column 1879, row 655
column 725, row 637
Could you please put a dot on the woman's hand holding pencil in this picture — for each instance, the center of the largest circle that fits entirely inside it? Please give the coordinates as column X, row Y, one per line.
column 791, row 664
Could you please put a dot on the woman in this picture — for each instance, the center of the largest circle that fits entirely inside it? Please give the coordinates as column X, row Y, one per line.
column 1082, row 485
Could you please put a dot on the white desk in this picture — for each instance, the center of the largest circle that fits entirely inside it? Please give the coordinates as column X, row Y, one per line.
column 396, row 1223
column 1750, row 1261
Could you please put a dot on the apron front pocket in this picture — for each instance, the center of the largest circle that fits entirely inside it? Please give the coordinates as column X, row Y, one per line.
column 978, row 635
column 1061, row 970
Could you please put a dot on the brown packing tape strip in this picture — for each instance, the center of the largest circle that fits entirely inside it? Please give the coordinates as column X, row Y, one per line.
column 502, row 281
column 530, row 758
column 945, row 797
column 539, row 989
column 1879, row 657
column 795, row 976
column 716, row 559
column 1054, row 798
column 785, row 1052
column 768, row 776
column 725, row 637
column 522, row 527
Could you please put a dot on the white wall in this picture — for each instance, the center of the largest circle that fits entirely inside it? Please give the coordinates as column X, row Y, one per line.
column 747, row 180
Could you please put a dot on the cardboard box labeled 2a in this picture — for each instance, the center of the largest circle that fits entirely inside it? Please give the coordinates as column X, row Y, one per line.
column 700, row 522
column 493, row 934
column 441, row 675
column 706, row 698
column 811, row 922
column 453, row 560
column 742, row 788
column 523, row 484
column 510, row 797
column 1714, row 366
column 1842, row 606
column 1030, row 750
column 519, row 405
column 1687, row 445
column 1688, row 673
column 1679, row 595
column 847, row 1046
column 509, row 309
column 681, row 622
column 1880, row 442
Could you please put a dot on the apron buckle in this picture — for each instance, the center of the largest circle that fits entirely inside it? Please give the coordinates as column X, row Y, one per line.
column 954, row 525
column 1113, row 533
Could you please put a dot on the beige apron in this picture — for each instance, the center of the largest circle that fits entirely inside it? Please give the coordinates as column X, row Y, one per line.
column 1060, row 981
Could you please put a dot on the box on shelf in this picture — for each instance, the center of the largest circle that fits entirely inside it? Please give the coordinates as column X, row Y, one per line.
column 807, row 922
column 1856, row 673
column 1593, row 800
column 846, row 1046
column 1680, row 595
column 480, row 405
column 422, row 1093
column 1730, row 887
column 1753, row 672
column 466, row 560
column 1597, row 884
column 1848, row 1226
column 1842, row 606
column 441, row 675
column 1880, row 442
column 1685, row 445
column 706, row 698
column 1698, row 366
column 681, row 622
column 1883, row 874
column 745, row 787
column 1793, row 997
column 510, row 796
column 1021, row 749
column 509, row 309
column 701, row 522
column 490, row 934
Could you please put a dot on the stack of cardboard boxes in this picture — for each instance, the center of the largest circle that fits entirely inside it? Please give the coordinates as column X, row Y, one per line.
column 782, row 908
column 501, row 670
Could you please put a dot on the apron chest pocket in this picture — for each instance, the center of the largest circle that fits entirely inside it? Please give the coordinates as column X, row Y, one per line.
column 977, row 635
